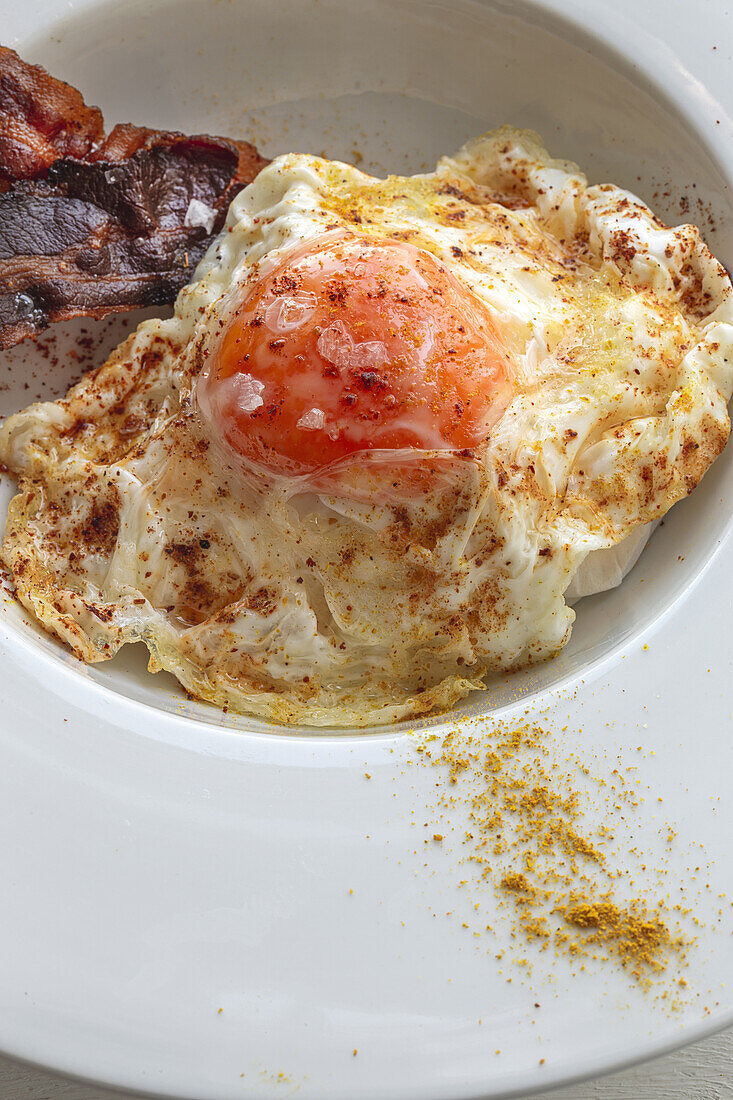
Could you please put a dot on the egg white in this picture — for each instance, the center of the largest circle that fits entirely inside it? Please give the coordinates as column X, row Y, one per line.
column 284, row 600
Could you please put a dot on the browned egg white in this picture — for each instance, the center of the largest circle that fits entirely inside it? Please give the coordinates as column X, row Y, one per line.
column 390, row 584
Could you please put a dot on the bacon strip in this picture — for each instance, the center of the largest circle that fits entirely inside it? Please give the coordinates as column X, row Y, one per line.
column 93, row 224
column 41, row 119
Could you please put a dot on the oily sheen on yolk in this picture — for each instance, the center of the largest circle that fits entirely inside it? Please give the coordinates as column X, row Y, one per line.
column 351, row 344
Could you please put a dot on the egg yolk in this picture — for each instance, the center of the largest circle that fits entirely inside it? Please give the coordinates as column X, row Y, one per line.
column 350, row 344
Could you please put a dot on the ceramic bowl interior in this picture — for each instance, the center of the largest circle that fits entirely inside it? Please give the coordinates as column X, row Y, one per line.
column 391, row 85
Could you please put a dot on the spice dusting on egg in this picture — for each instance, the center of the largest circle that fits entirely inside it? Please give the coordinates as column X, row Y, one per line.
column 383, row 440
column 524, row 811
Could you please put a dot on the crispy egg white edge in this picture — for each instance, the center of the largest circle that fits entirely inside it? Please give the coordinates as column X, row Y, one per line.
column 561, row 196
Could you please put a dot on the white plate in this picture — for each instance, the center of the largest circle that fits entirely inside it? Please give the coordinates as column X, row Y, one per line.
column 160, row 861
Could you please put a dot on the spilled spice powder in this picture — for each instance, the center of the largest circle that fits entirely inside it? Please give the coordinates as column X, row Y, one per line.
column 639, row 939
column 532, row 841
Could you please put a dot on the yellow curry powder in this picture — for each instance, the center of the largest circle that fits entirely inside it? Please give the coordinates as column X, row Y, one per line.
column 530, row 839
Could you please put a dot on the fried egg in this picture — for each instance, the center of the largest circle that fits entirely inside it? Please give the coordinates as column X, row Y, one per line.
column 388, row 424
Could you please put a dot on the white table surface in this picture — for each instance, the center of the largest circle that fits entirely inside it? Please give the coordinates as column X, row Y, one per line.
column 703, row 1071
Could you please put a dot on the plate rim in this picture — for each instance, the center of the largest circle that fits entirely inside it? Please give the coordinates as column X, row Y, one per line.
column 653, row 1048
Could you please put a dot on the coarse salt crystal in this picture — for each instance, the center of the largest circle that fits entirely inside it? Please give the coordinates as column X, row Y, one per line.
column 288, row 313
column 312, row 421
column 246, row 392
column 199, row 214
